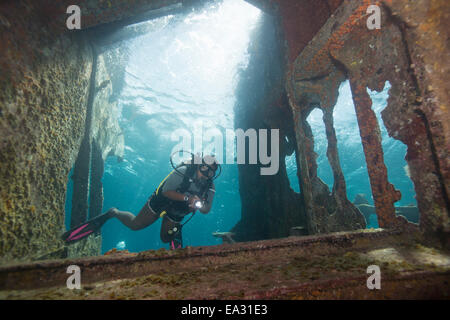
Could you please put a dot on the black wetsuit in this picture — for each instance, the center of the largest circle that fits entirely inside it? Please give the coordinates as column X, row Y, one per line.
column 173, row 211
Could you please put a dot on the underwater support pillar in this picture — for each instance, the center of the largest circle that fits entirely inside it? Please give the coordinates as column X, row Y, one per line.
column 339, row 186
column 383, row 192
column 82, row 164
column 96, row 186
column 302, row 152
column 80, row 185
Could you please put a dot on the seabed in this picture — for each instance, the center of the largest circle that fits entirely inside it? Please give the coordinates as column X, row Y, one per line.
column 332, row 266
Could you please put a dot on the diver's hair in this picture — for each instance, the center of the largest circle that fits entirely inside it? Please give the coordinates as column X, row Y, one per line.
column 211, row 161
column 208, row 159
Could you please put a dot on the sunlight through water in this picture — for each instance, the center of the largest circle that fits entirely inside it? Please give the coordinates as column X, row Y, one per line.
column 182, row 74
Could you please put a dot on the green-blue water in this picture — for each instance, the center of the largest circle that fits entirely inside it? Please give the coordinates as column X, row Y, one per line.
column 351, row 152
column 183, row 75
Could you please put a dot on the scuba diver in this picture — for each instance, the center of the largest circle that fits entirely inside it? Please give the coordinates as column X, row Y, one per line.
column 188, row 188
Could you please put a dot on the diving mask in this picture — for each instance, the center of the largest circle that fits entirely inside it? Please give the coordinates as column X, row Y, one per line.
column 207, row 171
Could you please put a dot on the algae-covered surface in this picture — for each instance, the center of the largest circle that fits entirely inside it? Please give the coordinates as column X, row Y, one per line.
column 331, row 267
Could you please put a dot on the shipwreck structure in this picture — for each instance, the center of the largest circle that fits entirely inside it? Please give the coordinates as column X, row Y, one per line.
column 58, row 112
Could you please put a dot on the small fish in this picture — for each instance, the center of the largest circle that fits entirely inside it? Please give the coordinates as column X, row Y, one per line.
column 121, row 245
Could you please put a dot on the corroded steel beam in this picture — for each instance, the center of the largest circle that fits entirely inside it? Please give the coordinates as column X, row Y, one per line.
column 383, row 192
column 314, row 82
column 369, row 58
column 53, row 272
column 326, row 266
column 358, row 50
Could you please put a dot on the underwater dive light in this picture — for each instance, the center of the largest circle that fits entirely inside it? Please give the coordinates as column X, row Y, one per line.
column 198, row 204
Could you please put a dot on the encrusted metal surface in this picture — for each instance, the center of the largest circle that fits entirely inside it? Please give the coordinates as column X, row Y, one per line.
column 313, row 267
column 369, row 58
